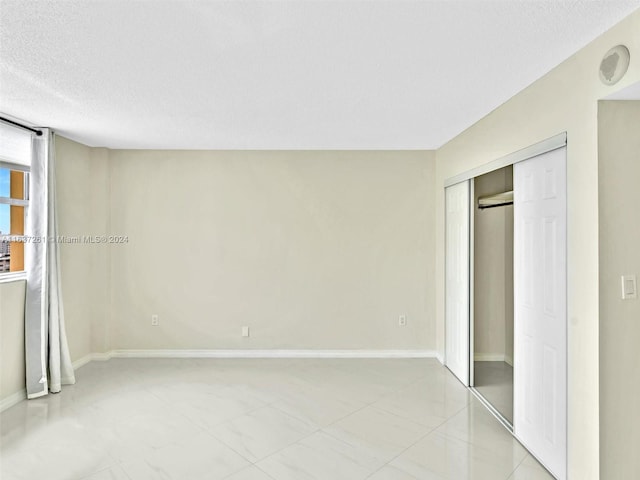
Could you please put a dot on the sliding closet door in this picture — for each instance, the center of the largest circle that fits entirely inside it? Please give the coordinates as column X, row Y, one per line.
column 457, row 280
column 540, row 367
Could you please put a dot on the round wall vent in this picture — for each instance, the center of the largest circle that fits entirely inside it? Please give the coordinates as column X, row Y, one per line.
column 614, row 65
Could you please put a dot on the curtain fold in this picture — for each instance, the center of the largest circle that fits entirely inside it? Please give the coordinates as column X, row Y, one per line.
column 48, row 363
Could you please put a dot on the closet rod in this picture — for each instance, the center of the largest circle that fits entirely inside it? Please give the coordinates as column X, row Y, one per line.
column 483, row 207
column 19, row 125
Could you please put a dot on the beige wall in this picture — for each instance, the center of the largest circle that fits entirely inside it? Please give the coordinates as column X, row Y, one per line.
column 493, row 270
column 619, row 201
column 83, row 192
column 311, row 250
column 564, row 100
column 11, row 338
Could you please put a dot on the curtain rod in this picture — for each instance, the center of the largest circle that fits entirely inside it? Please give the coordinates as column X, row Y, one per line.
column 37, row 132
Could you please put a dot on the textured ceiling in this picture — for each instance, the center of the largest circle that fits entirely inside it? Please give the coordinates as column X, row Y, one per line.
column 280, row 75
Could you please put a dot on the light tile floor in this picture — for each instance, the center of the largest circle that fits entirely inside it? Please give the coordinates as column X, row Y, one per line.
column 208, row 419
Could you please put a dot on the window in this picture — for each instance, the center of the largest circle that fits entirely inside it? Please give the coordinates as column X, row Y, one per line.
column 13, row 204
column 15, row 160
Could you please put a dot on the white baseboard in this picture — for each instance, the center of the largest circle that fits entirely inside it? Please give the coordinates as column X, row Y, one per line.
column 273, row 354
column 102, row 357
column 92, row 357
column 508, row 360
column 81, row 362
column 489, row 357
column 11, row 400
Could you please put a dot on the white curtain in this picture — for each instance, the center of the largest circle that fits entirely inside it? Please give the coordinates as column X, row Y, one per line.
column 48, row 363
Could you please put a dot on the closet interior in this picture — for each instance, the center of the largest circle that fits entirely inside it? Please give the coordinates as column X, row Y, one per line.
column 493, row 311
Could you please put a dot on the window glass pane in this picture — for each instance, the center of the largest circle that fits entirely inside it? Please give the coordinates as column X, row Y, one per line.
column 16, row 182
column 12, row 185
column 5, row 259
column 5, row 219
column 16, row 249
column 4, row 182
column 5, row 247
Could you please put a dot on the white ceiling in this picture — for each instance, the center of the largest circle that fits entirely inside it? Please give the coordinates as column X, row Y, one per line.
column 280, row 75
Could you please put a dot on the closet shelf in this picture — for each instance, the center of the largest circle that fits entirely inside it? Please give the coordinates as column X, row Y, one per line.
column 497, row 200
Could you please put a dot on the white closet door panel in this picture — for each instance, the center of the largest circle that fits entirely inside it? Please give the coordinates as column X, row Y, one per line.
column 457, row 280
column 540, row 369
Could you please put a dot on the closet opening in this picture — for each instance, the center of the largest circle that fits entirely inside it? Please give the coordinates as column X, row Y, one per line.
column 493, row 290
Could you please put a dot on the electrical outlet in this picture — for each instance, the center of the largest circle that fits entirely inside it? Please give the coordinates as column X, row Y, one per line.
column 629, row 287
column 154, row 320
column 402, row 320
column 245, row 331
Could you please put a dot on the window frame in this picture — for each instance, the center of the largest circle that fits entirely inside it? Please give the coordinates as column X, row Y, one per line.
column 26, row 169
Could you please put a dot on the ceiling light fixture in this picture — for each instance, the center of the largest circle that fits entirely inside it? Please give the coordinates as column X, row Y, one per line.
column 614, row 65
